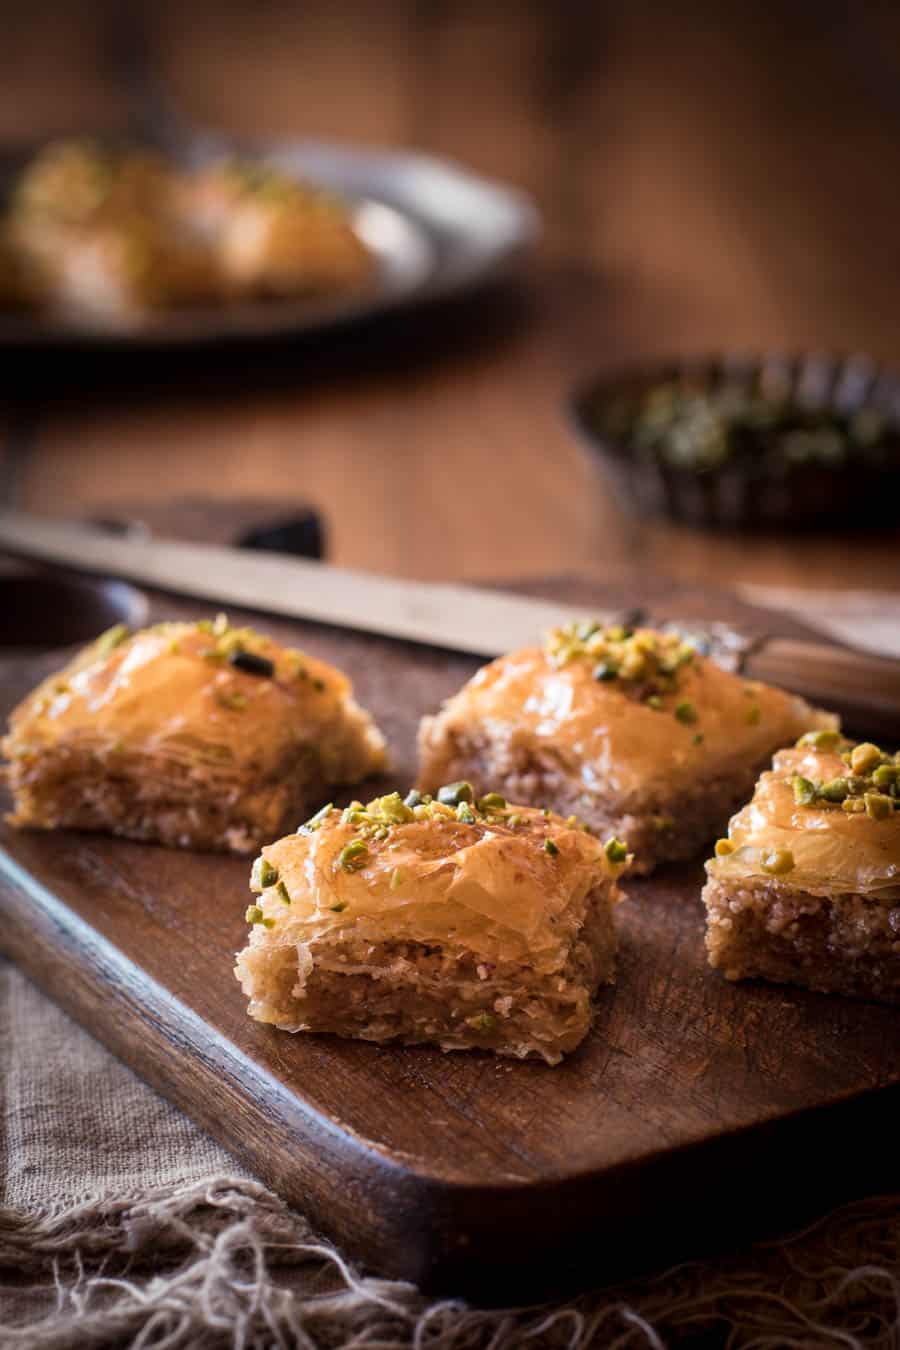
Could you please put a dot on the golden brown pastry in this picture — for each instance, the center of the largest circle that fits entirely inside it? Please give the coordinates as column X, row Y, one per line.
column 635, row 732
column 100, row 229
column 465, row 923
column 806, row 888
column 273, row 235
column 113, row 235
column 198, row 735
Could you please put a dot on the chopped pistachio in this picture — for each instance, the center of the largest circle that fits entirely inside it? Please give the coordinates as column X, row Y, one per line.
column 232, row 699
column 318, row 819
column 698, row 738
column 483, row 1021
column 804, row 790
column 686, row 712
column 415, row 798
column 283, row 893
column 821, row 740
column 339, row 907
column 513, row 820
column 754, row 715
column 251, row 663
column 451, row 794
column 113, row 637
column 853, row 806
column 723, row 848
column 354, row 855
column 878, row 806
column 864, row 757
column 835, row 790
column 776, row 861
column 254, row 915
column 397, row 878
column 492, row 801
column 465, row 813
column 654, row 701
column 885, row 775
column 318, row 684
column 263, row 874
column 615, row 850
column 604, row 671
column 551, row 848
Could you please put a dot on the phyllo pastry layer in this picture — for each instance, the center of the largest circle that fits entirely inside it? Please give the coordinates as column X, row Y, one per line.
column 634, row 731
column 466, row 923
column 196, row 735
column 806, row 888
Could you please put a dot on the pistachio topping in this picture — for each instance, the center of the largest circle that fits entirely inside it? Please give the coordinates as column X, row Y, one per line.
column 283, row 893
column 316, row 821
column 686, row 712
column 872, row 774
column 821, row 740
column 621, row 653
column 339, row 907
column 776, row 861
column 877, row 805
column 233, row 699
column 864, row 758
column 112, row 638
column 354, row 855
column 483, row 1021
column 263, row 874
column 451, row 794
column 615, row 850
column 254, row 915
column 251, row 663
column 551, row 848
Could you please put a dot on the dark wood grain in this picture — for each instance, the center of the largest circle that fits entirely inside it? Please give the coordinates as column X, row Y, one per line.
column 674, row 1127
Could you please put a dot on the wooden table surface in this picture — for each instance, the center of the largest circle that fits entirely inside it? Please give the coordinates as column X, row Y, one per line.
column 724, row 178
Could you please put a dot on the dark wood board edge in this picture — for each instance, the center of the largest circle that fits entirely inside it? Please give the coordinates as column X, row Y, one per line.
column 487, row 1242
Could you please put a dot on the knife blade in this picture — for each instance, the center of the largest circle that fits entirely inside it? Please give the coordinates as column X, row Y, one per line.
column 475, row 620
column 863, row 688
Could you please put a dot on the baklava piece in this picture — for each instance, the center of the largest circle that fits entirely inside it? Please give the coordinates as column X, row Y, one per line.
column 806, row 888
column 273, row 235
column 462, row 922
column 634, row 731
column 99, row 227
column 197, row 735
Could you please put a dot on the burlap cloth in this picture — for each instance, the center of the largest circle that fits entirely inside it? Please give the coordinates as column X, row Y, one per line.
column 125, row 1225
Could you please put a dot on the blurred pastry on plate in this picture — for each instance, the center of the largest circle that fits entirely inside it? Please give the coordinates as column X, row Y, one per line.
column 195, row 735
column 108, row 235
column 273, row 235
column 459, row 921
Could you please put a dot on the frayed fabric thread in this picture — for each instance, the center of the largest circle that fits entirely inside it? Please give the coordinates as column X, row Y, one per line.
column 223, row 1264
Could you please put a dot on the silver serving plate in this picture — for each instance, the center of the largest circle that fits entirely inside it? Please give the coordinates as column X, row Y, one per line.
column 434, row 229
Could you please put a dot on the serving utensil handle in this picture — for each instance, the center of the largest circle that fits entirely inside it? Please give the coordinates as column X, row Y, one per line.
column 863, row 688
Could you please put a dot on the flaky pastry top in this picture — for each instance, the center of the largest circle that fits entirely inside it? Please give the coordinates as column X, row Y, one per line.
column 205, row 691
column 632, row 714
column 818, row 825
column 504, row 884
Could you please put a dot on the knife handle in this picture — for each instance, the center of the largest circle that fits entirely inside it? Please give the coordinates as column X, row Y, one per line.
column 864, row 689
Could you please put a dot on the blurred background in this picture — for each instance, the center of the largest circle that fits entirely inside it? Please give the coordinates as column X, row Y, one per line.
column 709, row 176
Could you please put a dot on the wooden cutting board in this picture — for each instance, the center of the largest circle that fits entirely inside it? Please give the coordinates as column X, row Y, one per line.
column 696, row 1114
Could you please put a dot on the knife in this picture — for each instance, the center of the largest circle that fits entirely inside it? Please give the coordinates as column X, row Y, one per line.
column 863, row 688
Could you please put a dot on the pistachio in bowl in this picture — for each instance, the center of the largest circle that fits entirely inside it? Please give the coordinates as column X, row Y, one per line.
column 750, row 443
